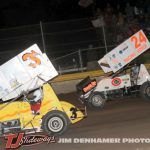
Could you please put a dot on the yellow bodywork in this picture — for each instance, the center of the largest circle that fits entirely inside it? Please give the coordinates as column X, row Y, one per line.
column 22, row 110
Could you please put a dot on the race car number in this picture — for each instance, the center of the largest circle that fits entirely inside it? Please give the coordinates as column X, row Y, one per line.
column 116, row 81
column 31, row 57
column 137, row 40
column 74, row 113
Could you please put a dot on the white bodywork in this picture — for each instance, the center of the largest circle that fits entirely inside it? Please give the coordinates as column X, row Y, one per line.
column 121, row 56
column 109, row 83
column 27, row 71
column 122, row 81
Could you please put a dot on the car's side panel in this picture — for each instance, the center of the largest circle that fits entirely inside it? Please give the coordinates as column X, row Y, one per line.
column 113, row 83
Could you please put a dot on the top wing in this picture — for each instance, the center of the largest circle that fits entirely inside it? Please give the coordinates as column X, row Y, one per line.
column 28, row 70
column 125, row 52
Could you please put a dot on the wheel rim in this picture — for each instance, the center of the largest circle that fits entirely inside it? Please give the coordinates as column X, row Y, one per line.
column 97, row 100
column 55, row 124
column 148, row 91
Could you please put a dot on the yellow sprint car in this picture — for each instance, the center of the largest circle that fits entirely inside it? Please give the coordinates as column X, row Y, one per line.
column 49, row 114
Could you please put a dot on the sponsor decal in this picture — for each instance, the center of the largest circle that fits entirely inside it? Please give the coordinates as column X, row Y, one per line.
column 14, row 141
column 90, row 86
column 116, row 81
column 130, row 57
column 124, row 49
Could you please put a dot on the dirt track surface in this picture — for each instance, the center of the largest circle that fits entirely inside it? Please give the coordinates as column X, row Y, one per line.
column 121, row 118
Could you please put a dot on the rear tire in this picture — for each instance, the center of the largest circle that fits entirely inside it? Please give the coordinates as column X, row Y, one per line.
column 96, row 100
column 145, row 90
column 55, row 123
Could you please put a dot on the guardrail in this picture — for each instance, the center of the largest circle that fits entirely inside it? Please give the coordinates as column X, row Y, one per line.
column 82, row 75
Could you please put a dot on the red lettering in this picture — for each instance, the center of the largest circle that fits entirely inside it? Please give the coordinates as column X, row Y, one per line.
column 141, row 48
column 138, row 39
column 142, row 38
column 130, row 57
column 10, row 139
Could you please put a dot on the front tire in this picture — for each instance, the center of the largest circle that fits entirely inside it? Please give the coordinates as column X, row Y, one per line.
column 96, row 100
column 145, row 90
column 55, row 123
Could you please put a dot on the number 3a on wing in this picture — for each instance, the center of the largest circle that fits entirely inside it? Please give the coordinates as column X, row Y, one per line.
column 138, row 39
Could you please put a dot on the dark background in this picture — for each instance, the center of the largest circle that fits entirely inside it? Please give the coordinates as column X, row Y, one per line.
column 25, row 12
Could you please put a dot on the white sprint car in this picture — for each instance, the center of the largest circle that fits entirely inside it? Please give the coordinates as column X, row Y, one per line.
column 125, row 79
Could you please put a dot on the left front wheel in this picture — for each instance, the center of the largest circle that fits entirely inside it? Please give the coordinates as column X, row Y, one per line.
column 55, row 123
column 96, row 100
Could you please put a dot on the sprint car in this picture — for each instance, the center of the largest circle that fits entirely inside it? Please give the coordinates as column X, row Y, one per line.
column 27, row 102
column 125, row 79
